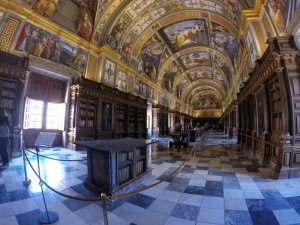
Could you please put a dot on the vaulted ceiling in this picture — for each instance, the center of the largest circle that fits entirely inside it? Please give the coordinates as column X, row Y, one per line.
column 188, row 47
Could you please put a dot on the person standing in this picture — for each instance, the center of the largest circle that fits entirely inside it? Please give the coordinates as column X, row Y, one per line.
column 4, row 138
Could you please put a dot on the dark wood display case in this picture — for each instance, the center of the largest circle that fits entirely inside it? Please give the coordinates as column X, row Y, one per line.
column 114, row 164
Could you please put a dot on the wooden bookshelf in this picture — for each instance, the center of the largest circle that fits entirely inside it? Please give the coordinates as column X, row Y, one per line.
column 275, row 104
column 127, row 113
column 8, row 97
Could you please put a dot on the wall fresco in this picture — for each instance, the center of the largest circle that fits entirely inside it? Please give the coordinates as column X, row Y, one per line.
column 40, row 43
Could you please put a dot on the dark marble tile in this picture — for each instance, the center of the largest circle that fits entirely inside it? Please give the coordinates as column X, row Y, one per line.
column 231, row 182
column 261, row 179
column 263, row 218
column 82, row 177
column 2, row 189
column 176, row 187
column 186, row 212
column 80, row 189
column 112, row 205
column 202, row 168
column 141, row 200
column 237, row 217
column 180, row 180
column 167, row 174
column 195, row 190
column 29, row 218
column 271, row 194
column 220, row 173
column 213, row 188
column 276, row 204
column 252, row 169
column 17, row 195
column 74, row 205
column 4, row 198
column 294, row 201
column 256, row 204
column 188, row 169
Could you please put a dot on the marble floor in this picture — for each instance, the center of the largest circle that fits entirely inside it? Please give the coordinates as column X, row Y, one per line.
column 217, row 185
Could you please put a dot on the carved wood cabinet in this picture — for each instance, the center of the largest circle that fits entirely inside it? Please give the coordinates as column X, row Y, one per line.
column 98, row 111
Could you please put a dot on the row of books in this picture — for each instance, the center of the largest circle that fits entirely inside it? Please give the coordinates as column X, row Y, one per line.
column 6, row 93
column 8, row 84
column 139, row 167
column 124, row 156
column 6, row 103
column 124, row 174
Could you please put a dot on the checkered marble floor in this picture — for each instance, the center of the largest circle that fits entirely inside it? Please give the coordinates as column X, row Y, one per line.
column 217, row 185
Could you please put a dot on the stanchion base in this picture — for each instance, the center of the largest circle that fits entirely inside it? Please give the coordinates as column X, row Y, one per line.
column 26, row 183
column 43, row 217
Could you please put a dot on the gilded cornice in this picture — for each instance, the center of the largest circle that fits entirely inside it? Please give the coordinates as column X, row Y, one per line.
column 267, row 65
column 251, row 14
column 44, row 23
column 244, row 57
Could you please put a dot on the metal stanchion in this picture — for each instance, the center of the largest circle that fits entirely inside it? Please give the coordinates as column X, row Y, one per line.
column 26, row 182
column 104, row 209
column 47, row 217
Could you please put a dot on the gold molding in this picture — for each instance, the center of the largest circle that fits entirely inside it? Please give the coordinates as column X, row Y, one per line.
column 237, row 76
column 251, row 14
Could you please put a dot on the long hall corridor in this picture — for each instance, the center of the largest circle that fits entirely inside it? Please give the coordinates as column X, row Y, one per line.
column 217, row 185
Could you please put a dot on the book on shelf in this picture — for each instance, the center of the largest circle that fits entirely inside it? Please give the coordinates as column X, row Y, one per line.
column 140, row 167
column 9, row 84
column 6, row 103
column 124, row 174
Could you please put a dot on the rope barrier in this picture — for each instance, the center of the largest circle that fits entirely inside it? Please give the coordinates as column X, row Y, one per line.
column 63, row 160
column 108, row 197
column 265, row 142
column 57, row 192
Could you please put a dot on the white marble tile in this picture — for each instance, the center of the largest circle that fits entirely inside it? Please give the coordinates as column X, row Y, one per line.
column 113, row 220
column 233, row 193
column 176, row 221
column 170, row 195
column 248, row 186
column 11, row 220
column 287, row 216
column 162, row 206
column 214, row 178
column 71, row 218
column 199, row 223
column 197, row 182
column 24, row 205
column 128, row 211
column 9, row 173
column 235, row 204
column 6, row 210
column 212, row 202
column 209, row 215
column 253, row 194
column 151, row 218
column 189, row 199
column 90, row 214
column 201, row 172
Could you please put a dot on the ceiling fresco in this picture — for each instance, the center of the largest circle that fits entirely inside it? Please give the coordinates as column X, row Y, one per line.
column 184, row 46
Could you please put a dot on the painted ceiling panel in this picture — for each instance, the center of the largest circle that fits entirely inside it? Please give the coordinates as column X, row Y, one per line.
column 182, row 45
